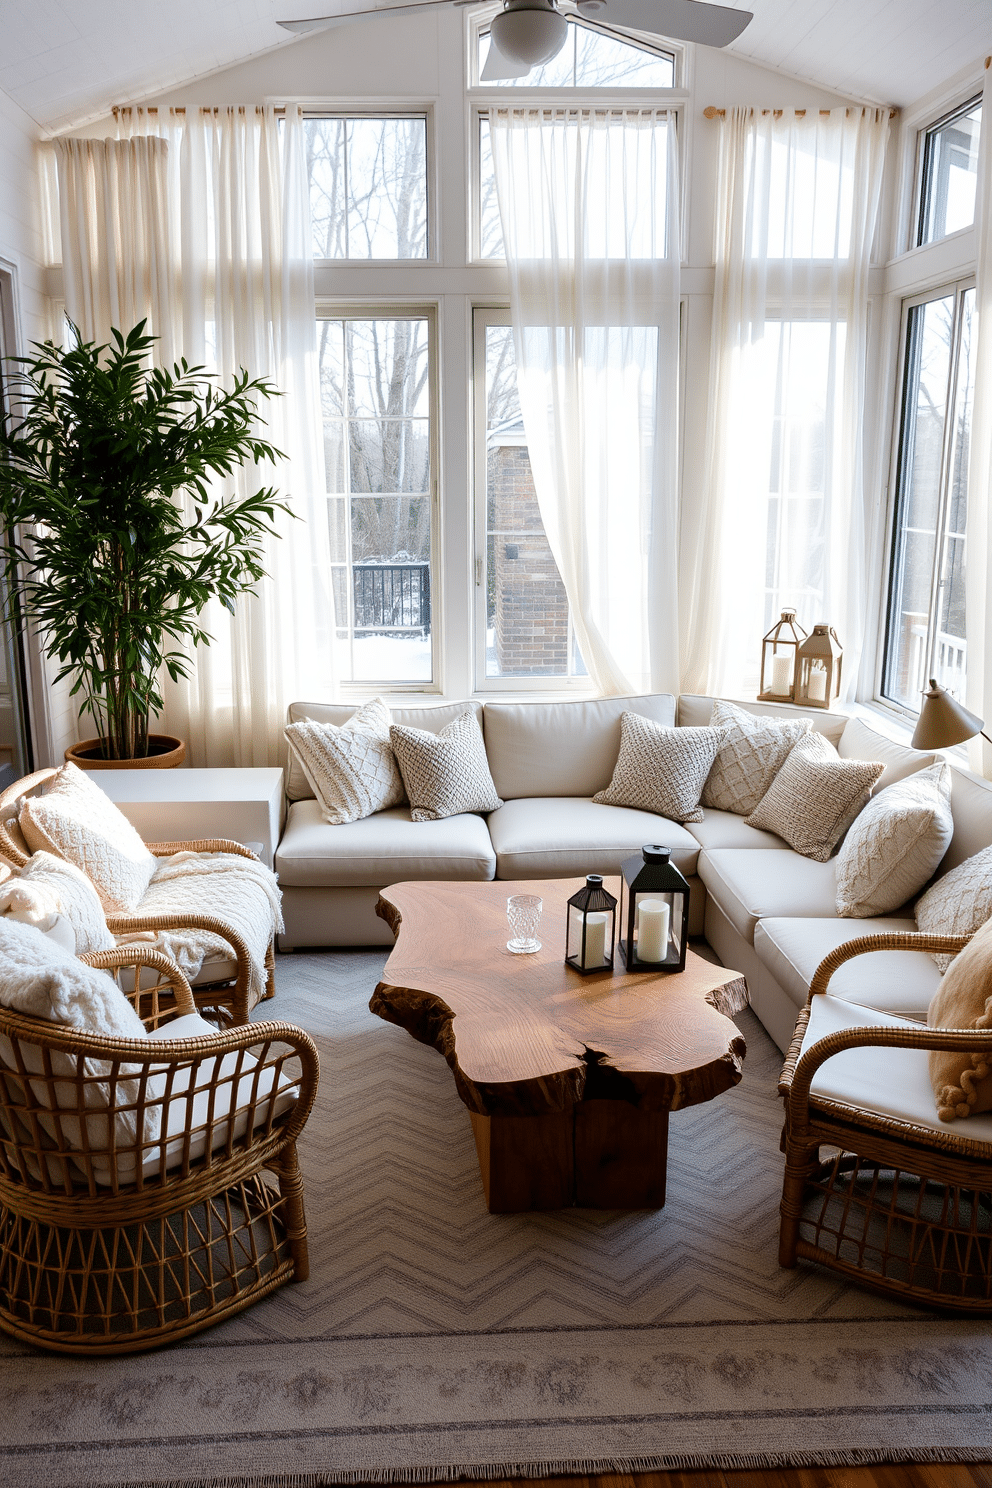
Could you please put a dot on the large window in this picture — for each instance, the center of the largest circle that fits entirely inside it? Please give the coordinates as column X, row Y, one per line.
column 925, row 633
column 592, row 58
column 949, row 173
column 368, row 187
column 523, row 620
column 378, row 398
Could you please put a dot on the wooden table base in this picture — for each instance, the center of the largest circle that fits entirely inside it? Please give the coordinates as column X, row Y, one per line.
column 602, row 1154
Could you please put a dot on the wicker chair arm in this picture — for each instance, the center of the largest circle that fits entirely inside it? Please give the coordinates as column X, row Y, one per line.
column 201, row 845
column 131, row 924
column 132, row 956
column 23, row 787
column 12, row 844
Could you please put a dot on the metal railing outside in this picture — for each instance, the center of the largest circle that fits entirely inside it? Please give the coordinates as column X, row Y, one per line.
column 392, row 598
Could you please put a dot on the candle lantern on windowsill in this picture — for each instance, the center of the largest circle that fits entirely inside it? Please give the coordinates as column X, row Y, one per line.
column 778, row 659
column 590, row 930
column 819, row 663
column 654, row 912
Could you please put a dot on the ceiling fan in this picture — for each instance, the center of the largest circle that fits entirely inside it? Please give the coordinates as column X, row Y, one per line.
column 528, row 32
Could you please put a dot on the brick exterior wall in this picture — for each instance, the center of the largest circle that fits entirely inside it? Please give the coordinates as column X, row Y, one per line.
column 526, row 593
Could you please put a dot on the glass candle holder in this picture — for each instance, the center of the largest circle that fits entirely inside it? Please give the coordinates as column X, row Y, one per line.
column 523, row 911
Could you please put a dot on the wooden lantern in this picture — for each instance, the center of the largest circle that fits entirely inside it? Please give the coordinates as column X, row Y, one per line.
column 654, row 912
column 778, row 659
column 590, row 930
column 819, row 662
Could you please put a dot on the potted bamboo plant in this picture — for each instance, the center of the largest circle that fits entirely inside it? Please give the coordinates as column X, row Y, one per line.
column 103, row 551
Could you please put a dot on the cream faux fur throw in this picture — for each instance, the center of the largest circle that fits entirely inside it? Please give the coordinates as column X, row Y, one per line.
column 41, row 978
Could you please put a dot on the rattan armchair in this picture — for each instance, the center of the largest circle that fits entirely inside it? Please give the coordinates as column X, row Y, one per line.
column 133, row 1208
column 222, row 992
column 901, row 1206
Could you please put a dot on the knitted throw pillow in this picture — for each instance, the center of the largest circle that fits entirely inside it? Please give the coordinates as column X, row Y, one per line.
column 445, row 773
column 753, row 752
column 895, row 845
column 815, row 797
column 958, row 903
column 351, row 768
column 75, row 820
column 661, row 769
column 962, row 1083
column 75, row 898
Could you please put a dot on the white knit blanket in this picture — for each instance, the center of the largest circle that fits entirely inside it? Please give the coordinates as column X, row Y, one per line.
column 240, row 891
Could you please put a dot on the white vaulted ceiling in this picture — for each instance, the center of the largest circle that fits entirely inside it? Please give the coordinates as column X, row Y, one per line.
column 66, row 61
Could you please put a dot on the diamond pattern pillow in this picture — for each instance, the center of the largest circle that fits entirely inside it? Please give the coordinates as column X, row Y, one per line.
column 753, row 752
column 351, row 768
column 661, row 769
column 445, row 773
column 962, row 1082
column 815, row 797
column 958, row 903
column 895, row 845
column 77, row 821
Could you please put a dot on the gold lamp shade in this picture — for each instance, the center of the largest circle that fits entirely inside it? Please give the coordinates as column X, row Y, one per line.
column 943, row 721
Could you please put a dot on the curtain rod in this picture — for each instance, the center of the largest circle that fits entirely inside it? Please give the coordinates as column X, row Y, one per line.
column 719, row 113
column 130, row 108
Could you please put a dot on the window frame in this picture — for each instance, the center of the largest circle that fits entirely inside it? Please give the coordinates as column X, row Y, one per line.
column 479, row 21
column 957, row 287
column 398, row 308
column 393, row 109
column 922, row 188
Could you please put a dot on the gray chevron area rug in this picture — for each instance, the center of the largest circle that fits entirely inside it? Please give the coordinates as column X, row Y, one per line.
column 435, row 1341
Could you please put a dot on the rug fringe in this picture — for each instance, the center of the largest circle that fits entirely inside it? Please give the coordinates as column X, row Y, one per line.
column 580, row 1467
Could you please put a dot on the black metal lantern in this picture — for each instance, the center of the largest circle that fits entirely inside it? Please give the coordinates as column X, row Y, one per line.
column 654, row 912
column 591, row 927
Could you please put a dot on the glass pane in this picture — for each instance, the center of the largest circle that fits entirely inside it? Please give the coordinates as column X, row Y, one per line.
column 490, row 227
column 950, row 174
column 528, row 633
column 950, row 647
column 928, row 358
column 591, row 59
column 368, row 187
column 380, row 543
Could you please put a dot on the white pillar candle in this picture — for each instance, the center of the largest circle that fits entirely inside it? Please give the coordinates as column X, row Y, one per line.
column 781, row 675
column 653, row 917
column 595, row 953
column 816, row 688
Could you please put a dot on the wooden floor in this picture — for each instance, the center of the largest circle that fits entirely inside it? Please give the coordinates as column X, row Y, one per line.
column 904, row 1476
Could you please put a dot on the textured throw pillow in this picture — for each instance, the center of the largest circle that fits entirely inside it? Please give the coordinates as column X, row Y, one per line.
column 815, row 797
column 445, row 773
column 661, row 769
column 77, row 821
column 895, row 845
column 351, row 768
column 751, row 755
column 958, row 903
column 962, row 1082
column 74, row 897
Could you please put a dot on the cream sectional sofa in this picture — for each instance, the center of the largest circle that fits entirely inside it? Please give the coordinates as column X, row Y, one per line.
column 763, row 908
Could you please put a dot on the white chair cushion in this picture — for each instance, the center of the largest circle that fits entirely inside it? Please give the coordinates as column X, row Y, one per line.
column 749, row 886
column 298, row 787
column 727, row 829
column 562, row 836
column 897, row 982
column 889, row 1081
column 562, row 748
column 382, row 849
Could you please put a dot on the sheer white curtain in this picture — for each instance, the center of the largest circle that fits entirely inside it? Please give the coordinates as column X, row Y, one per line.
column 978, row 537
column 782, row 520
column 588, row 203
column 233, row 288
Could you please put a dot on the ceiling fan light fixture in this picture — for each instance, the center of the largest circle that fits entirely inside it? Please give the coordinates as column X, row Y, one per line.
column 529, row 36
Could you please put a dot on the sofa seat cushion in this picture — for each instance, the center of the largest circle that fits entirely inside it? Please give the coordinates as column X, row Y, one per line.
column 727, row 829
column 750, row 886
column 382, row 849
column 563, row 836
column 897, row 982
column 890, row 1081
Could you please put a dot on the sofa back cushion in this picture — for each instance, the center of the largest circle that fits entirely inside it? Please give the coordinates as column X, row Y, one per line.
column 562, row 749
column 695, row 710
column 971, row 808
column 860, row 741
column 298, row 787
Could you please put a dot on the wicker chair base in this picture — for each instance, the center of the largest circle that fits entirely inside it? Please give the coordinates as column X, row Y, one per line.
column 113, row 1291
column 900, row 1233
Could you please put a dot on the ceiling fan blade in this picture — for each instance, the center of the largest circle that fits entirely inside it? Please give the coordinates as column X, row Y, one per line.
column 323, row 23
column 682, row 20
column 499, row 68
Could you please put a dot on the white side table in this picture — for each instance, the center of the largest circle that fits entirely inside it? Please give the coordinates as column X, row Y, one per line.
column 245, row 805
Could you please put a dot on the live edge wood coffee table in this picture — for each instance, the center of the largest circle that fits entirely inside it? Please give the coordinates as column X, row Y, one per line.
column 569, row 1080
